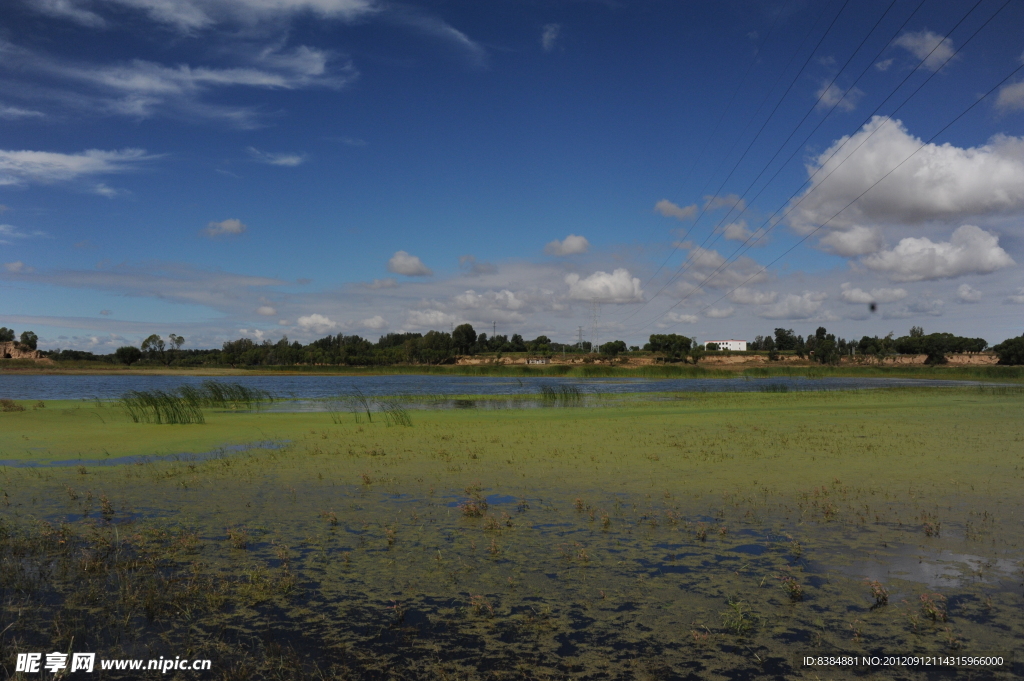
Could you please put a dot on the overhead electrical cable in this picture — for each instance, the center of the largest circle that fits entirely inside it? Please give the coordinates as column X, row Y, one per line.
column 792, row 207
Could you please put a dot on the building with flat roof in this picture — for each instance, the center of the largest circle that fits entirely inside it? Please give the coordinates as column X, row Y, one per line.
column 737, row 345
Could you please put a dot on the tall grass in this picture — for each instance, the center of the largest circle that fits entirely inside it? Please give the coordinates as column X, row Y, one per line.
column 185, row 404
column 566, row 395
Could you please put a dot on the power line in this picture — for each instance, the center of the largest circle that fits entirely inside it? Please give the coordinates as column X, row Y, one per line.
column 761, row 234
column 914, row 153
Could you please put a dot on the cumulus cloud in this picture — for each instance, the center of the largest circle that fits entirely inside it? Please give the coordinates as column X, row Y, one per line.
column 939, row 182
column 719, row 312
column 710, row 269
column 549, row 36
column 931, row 47
column 831, row 95
column 1011, row 97
column 671, row 210
column 504, row 299
column 794, row 306
column 571, row 245
column 389, row 282
column 748, row 296
column 737, row 231
column 602, row 287
column 375, row 322
column 853, row 295
column 968, row 294
column 266, row 310
column 971, row 250
column 47, row 167
column 409, row 265
column 429, row 319
column 229, row 227
column 474, row 267
column 852, row 241
column 276, row 159
column 317, row 323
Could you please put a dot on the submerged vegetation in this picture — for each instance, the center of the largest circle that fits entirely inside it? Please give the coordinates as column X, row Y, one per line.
column 714, row 535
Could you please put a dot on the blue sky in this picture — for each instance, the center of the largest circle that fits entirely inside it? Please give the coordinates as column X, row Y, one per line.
column 263, row 168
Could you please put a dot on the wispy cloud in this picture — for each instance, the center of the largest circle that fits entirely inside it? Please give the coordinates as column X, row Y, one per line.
column 47, row 167
column 549, row 36
column 927, row 45
column 276, row 159
column 671, row 210
column 229, row 227
column 8, row 232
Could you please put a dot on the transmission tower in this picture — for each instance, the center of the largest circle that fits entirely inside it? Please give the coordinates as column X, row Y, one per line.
column 595, row 321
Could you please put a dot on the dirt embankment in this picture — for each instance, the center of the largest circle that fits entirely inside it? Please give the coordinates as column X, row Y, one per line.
column 726, row 361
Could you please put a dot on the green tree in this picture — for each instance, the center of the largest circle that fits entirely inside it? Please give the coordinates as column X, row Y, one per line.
column 1011, row 351
column 916, row 332
column 785, row 339
column 672, row 345
column 711, row 347
column 463, row 337
column 697, row 353
column 613, row 348
column 153, row 346
column 29, row 339
column 827, row 351
column 6, row 335
column 128, row 354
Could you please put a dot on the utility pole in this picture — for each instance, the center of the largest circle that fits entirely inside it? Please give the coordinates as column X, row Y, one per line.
column 579, row 342
column 494, row 329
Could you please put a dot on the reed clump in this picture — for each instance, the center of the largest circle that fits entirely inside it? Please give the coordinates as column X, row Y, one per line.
column 566, row 395
column 185, row 404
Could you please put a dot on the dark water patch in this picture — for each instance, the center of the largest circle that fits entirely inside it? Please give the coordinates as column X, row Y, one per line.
column 427, row 387
column 182, row 457
column 750, row 549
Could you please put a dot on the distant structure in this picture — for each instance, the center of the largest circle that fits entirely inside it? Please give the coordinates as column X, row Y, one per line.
column 736, row 345
column 13, row 350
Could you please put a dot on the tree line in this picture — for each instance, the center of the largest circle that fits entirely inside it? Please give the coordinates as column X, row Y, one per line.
column 442, row 347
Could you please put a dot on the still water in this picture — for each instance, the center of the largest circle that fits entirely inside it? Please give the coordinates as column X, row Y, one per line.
column 35, row 387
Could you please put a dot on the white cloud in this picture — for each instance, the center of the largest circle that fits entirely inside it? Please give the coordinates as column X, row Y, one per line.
column 679, row 318
column 602, row 287
column 389, row 282
column 719, row 312
column 229, row 227
column 748, row 296
column 504, row 299
column 17, row 267
column 876, row 295
column 475, row 268
column 939, row 182
column 375, row 322
column 1016, row 298
column 266, row 310
column 794, row 306
column 968, row 294
column 431, row 26
column 12, row 113
column 429, row 319
column 931, row 47
column 409, row 265
column 317, row 323
column 671, row 210
column 852, row 241
column 549, row 36
column 1011, row 97
column 571, row 245
column 727, row 201
column 8, row 232
column 188, row 16
column 737, row 231
column 709, row 269
column 47, row 167
column 285, row 159
column 831, row 95
column 142, row 89
column 884, row 64
column 971, row 250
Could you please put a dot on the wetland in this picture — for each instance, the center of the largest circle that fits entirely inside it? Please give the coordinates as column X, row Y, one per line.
column 625, row 533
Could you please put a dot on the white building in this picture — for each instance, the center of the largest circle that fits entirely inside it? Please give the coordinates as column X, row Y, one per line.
column 737, row 345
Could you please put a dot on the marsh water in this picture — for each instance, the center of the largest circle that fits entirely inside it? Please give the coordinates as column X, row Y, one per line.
column 74, row 387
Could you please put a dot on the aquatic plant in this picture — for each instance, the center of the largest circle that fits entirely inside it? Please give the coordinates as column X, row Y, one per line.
column 185, row 404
